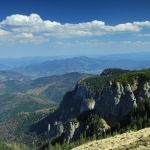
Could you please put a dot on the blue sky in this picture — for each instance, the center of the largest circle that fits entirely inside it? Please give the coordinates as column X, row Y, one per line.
column 71, row 27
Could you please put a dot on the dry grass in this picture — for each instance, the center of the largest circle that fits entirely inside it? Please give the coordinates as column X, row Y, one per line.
column 139, row 140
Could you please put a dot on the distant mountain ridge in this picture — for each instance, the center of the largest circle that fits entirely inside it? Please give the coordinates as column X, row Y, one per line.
column 80, row 64
column 9, row 63
column 58, row 65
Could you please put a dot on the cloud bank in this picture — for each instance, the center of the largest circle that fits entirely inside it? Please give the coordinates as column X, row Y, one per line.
column 32, row 28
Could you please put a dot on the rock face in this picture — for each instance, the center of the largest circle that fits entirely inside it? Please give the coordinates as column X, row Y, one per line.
column 87, row 104
column 73, row 101
column 82, row 92
column 71, row 127
column 58, row 128
column 117, row 100
column 145, row 91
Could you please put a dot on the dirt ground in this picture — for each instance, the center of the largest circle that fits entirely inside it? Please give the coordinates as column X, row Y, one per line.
column 139, row 140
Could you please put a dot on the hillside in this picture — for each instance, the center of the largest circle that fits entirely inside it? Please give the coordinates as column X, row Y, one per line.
column 50, row 88
column 17, row 128
column 12, row 104
column 80, row 64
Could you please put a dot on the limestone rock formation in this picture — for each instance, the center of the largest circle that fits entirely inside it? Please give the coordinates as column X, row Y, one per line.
column 117, row 100
column 145, row 91
column 82, row 92
column 71, row 127
column 58, row 128
column 72, row 101
column 87, row 104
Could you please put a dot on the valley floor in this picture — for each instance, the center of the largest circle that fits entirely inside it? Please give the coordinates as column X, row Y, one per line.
column 139, row 140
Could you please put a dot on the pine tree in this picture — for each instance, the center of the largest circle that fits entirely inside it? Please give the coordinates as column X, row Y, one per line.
column 57, row 146
column 81, row 139
column 139, row 123
column 134, row 127
column 50, row 147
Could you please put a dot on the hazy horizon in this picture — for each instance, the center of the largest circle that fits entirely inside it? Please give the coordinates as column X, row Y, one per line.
column 75, row 55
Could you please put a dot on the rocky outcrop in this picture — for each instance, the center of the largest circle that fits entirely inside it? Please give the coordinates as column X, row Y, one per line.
column 71, row 127
column 82, row 92
column 58, row 128
column 73, row 101
column 117, row 100
column 87, row 105
column 144, row 91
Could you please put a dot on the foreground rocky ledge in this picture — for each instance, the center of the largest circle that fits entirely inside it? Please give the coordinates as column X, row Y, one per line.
column 139, row 140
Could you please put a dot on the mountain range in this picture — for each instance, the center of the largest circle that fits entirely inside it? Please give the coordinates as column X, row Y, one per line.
column 46, row 66
column 79, row 64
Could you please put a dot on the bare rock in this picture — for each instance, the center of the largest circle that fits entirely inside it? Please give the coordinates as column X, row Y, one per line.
column 87, row 104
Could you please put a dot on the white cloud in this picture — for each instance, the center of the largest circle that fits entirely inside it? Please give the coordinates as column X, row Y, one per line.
column 21, row 38
column 5, row 36
column 125, row 42
column 112, row 43
column 34, row 24
column 135, row 42
column 24, row 35
column 123, row 27
column 143, row 35
column 22, row 20
column 34, row 29
column 36, row 40
column 4, row 33
column 144, row 23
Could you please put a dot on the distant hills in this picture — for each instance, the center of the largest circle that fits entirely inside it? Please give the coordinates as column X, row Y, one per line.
column 9, row 63
column 80, row 64
column 58, row 65
column 50, row 88
column 10, row 75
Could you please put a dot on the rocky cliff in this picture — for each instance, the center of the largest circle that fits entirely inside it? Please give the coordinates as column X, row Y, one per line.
column 117, row 100
column 112, row 102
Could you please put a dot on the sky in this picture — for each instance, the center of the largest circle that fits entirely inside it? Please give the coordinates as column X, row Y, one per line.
column 73, row 27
